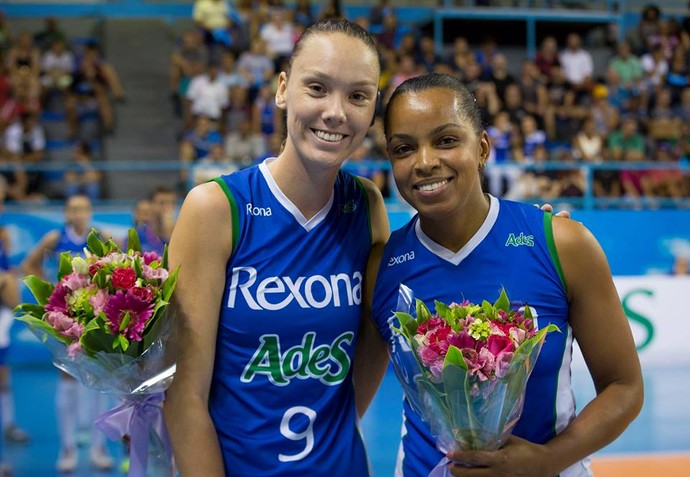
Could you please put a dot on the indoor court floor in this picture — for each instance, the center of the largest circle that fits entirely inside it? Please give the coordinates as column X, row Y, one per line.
column 656, row 444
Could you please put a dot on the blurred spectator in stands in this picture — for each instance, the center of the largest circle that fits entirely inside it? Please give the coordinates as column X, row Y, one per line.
column 678, row 76
column 81, row 178
column 406, row 68
column 303, row 13
column 622, row 98
column 19, row 102
column 24, row 64
column 279, row 34
column 240, row 109
column 666, row 37
column 647, row 27
column 267, row 118
column 488, row 47
column 547, row 57
column 5, row 35
column 487, row 100
column 662, row 124
column 273, row 147
column 154, row 234
column 256, row 66
column 57, row 69
column 513, row 104
column 374, row 169
column 499, row 75
column 187, row 60
column 532, row 137
column 51, row 32
column 213, row 165
column 655, row 68
column 5, row 89
column 682, row 110
column 198, row 142
column 208, row 96
column 626, row 143
column 605, row 115
column 589, row 143
column 578, row 66
column 331, row 9
column 25, row 142
column 426, row 54
column 460, row 57
column 393, row 31
column 228, row 73
column 243, row 145
column 628, row 67
column 95, row 79
column 213, row 18
column 535, row 98
column 142, row 212
column 562, row 113
column 502, row 134
column 377, row 13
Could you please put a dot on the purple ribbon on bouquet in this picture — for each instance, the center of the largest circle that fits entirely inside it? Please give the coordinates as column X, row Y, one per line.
column 133, row 418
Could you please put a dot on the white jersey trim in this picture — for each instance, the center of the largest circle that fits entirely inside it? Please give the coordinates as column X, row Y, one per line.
column 456, row 257
column 307, row 225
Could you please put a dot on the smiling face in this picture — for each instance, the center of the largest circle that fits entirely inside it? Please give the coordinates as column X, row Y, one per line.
column 329, row 95
column 436, row 152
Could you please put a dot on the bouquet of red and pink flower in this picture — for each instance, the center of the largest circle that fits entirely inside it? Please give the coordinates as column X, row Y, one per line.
column 107, row 324
column 464, row 368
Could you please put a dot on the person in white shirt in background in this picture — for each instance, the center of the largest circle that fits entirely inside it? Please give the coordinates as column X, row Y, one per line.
column 577, row 64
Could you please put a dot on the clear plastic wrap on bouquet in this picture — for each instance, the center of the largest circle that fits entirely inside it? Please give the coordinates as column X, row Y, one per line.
column 108, row 324
column 463, row 411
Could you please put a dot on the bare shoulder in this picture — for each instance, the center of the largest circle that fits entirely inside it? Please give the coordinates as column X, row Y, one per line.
column 571, row 236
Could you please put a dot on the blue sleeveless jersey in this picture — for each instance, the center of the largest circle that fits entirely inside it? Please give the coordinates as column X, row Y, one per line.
column 69, row 241
column 149, row 241
column 282, row 398
column 514, row 249
column 4, row 258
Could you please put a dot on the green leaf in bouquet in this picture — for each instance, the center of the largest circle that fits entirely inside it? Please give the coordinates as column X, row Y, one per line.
column 65, row 265
column 110, row 246
column 169, row 285
column 454, row 357
column 96, row 336
column 457, row 389
column 527, row 313
column 121, row 342
column 95, row 243
column 423, row 313
column 528, row 345
column 133, row 242
column 40, row 325
column 40, row 289
column 165, row 256
column 443, row 311
column 488, row 309
column 503, row 303
column 31, row 309
column 137, row 266
column 408, row 324
column 125, row 321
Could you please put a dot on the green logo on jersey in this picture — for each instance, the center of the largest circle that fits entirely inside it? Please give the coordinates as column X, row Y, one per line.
column 329, row 364
column 521, row 239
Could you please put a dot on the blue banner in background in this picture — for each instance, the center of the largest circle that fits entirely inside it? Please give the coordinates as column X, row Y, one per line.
column 635, row 242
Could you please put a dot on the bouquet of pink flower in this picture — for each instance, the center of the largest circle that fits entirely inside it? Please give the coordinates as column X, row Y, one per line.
column 107, row 324
column 464, row 369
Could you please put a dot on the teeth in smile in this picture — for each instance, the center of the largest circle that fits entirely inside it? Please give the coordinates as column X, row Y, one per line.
column 330, row 137
column 433, row 186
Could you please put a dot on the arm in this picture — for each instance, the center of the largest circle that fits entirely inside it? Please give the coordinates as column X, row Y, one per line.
column 9, row 290
column 200, row 246
column 371, row 352
column 33, row 263
column 601, row 328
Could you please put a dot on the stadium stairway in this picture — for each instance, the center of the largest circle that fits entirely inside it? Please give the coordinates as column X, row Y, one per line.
column 146, row 128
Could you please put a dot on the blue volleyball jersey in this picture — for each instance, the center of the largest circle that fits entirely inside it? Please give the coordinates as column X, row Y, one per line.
column 70, row 241
column 513, row 249
column 4, row 258
column 282, row 398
